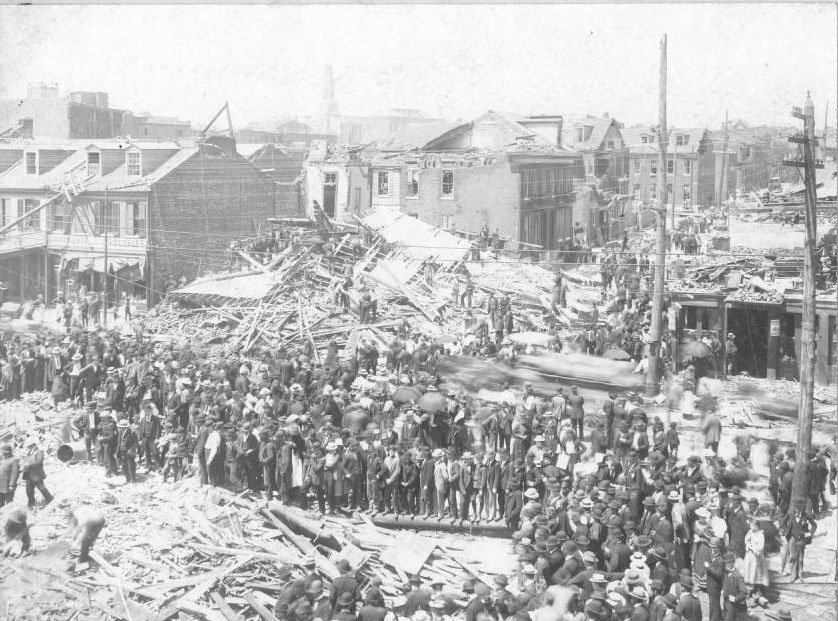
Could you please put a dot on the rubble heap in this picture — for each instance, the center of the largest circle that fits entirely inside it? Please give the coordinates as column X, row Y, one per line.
column 171, row 548
column 291, row 302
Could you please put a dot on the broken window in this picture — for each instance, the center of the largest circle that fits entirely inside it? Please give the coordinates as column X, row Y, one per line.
column 412, row 184
column 59, row 219
column 637, row 167
column 133, row 159
column 31, row 163
column 33, row 221
column 331, row 179
column 383, row 184
column 447, row 182
column 93, row 159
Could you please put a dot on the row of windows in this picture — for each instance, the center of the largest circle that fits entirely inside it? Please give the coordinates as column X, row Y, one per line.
column 412, row 183
column 546, row 182
column 686, row 167
column 680, row 139
column 133, row 163
column 123, row 219
column 653, row 191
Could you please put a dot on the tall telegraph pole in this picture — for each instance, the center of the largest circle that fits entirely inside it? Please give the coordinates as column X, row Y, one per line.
column 807, row 142
column 652, row 385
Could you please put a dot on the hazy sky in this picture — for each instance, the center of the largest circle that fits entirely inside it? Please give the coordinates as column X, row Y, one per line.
column 451, row 60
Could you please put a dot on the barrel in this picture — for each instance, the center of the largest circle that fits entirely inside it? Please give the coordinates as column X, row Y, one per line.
column 72, row 452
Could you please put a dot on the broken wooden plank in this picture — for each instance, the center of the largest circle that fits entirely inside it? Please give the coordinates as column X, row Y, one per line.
column 224, row 607
column 263, row 612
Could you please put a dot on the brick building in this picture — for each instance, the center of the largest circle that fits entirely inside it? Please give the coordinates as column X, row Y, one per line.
column 284, row 165
column 690, row 169
column 492, row 172
column 80, row 115
column 169, row 209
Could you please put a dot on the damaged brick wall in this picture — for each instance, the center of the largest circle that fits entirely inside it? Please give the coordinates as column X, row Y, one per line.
column 198, row 209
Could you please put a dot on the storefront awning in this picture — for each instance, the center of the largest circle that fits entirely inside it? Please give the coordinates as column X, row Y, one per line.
column 89, row 261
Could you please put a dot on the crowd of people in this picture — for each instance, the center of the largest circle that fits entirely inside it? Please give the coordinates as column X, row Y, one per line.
column 607, row 519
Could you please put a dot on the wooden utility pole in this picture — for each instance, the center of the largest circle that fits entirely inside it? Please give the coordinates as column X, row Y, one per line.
column 723, row 172
column 807, row 142
column 106, row 273
column 654, row 371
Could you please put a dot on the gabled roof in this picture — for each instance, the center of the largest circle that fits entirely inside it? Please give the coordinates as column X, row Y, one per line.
column 16, row 178
column 599, row 128
column 120, row 180
column 632, row 137
column 76, row 163
column 509, row 132
column 416, row 135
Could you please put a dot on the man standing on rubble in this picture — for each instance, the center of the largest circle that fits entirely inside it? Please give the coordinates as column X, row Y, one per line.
column 32, row 466
column 9, row 471
column 577, row 411
column 88, row 424
column 148, row 430
column 214, row 451
column 127, row 449
column 107, row 441
column 248, row 456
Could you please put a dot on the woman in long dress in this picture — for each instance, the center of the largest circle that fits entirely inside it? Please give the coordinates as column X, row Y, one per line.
column 755, row 570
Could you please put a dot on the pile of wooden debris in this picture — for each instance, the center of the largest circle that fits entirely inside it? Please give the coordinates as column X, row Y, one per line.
column 175, row 549
column 291, row 302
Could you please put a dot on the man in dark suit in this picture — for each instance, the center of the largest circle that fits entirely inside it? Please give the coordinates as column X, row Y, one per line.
column 88, row 425
column 9, row 472
column 107, row 441
column 616, row 552
column 688, row 607
column 734, row 591
column 126, row 450
column 466, row 485
column 148, row 430
column 715, row 567
column 737, row 525
column 345, row 583
column 417, row 598
column 426, row 483
column 33, row 473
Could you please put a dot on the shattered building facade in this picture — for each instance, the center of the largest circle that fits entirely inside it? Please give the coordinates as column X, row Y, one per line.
column 168, row 208
column 493, row 171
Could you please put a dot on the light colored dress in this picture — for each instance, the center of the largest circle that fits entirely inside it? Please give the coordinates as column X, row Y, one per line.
column 755, row 570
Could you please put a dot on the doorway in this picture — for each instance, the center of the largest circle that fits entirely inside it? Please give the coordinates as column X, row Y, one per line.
column 329, row 190
column 751, row 329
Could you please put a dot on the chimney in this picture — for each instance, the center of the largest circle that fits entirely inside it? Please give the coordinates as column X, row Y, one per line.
column 27, row 127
